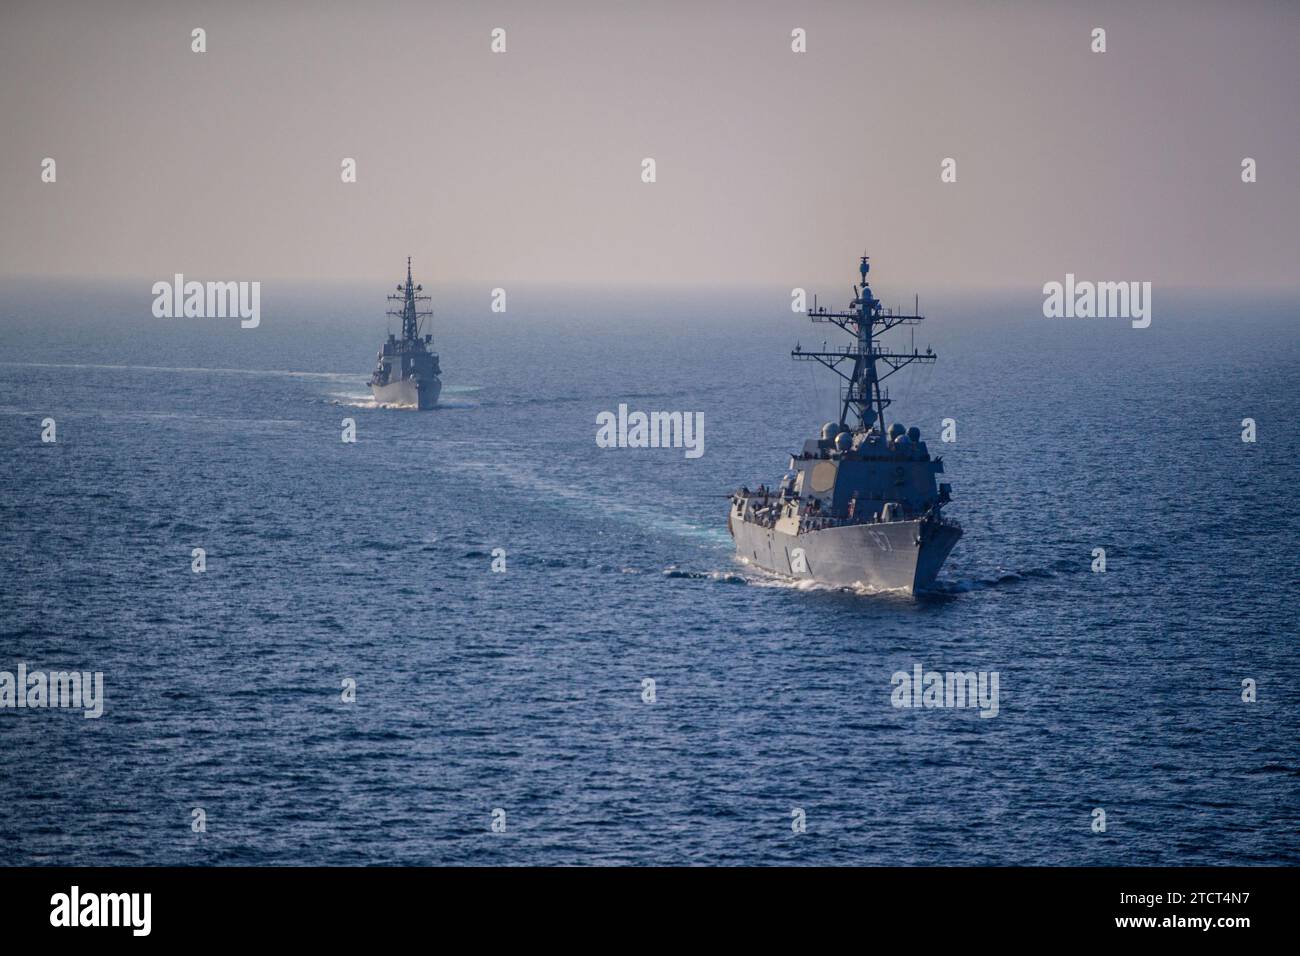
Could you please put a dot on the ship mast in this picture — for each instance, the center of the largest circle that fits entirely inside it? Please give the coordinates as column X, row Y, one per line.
column 410, row 313
column 864, row 320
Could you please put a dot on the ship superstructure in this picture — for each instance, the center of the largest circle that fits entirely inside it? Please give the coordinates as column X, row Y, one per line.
column 860, row 505
column 406, row 369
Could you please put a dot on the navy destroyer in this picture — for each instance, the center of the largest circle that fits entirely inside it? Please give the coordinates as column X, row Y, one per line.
column 859, row 506
column 406, row 370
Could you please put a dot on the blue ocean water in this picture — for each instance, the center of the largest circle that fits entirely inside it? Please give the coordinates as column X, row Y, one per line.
column 522, row 690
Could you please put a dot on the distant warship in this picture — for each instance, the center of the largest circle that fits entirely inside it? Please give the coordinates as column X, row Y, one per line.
column 859, row 506
column 406, row 371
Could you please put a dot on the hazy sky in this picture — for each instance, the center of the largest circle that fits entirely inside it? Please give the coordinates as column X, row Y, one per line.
column 772, row 166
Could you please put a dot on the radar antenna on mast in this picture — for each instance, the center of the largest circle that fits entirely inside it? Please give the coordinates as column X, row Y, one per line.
column 865, row 319
column 410, row 313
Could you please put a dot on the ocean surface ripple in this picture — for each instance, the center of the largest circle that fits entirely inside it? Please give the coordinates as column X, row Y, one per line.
column 523, row 690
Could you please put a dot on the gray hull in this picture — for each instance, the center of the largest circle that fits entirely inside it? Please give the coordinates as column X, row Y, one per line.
column 409, row 392
column 884, row 556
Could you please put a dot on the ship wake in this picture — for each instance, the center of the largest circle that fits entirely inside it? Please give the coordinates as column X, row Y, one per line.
column 757, row 576
column 1004, row 578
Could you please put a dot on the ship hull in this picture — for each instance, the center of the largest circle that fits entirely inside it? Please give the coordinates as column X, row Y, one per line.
column 883, row 556
column 420, row 394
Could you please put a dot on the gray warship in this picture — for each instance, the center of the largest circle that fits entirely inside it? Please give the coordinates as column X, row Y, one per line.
column 406, row 371
column 859, row 506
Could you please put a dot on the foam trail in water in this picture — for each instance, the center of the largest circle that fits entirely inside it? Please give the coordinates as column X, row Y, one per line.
column 763, row 579
column 723, row 577
column 335, row 376
column 647, row 518
column 347, row 400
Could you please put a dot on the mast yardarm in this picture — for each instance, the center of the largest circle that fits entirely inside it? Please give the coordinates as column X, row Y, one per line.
column 865, row 319
column 410, row 312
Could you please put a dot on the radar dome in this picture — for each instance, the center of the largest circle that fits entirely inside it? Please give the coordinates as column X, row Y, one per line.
column 896, row 429
column 914, row 433
column 844, row 441
column 829, row 430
